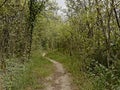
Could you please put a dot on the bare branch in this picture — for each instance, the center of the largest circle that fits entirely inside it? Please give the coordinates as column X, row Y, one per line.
column 3, row 3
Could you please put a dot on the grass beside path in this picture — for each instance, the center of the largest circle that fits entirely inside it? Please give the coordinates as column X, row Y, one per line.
column 73, row 65
column 37, row 70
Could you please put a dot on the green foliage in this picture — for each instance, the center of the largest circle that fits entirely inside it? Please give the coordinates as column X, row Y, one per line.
column 89, row 37
column 15, row 41
column 75, row 67
column 14, row 75
column 28, row 75
column 105, row 78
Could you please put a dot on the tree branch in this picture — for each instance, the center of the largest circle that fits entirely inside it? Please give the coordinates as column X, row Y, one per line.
column 3, row 3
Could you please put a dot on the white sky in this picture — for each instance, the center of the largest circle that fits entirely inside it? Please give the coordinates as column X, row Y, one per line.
column 61, row 3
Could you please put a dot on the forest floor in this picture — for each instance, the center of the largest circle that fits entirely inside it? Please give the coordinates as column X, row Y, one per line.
column 60, row 80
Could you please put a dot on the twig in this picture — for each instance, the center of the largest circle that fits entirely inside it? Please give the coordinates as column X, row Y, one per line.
column 3, row 3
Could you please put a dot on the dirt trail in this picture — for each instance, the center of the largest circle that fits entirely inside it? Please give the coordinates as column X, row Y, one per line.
column 59, row 80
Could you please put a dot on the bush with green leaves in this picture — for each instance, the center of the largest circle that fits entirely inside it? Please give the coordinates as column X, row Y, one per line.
column 13, row 77
column 104, row 78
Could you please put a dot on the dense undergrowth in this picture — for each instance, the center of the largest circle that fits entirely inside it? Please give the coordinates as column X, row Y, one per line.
column 100, row 78
column 27, row 76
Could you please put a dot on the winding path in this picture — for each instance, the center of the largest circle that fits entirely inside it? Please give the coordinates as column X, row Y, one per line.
column 60, row 80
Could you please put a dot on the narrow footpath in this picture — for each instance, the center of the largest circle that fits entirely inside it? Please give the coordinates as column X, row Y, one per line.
column 60, row 80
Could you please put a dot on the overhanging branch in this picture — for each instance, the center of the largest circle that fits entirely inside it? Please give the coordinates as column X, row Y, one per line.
column 3, row 3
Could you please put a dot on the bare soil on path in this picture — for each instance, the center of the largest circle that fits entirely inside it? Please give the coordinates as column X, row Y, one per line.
column 60, row 80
